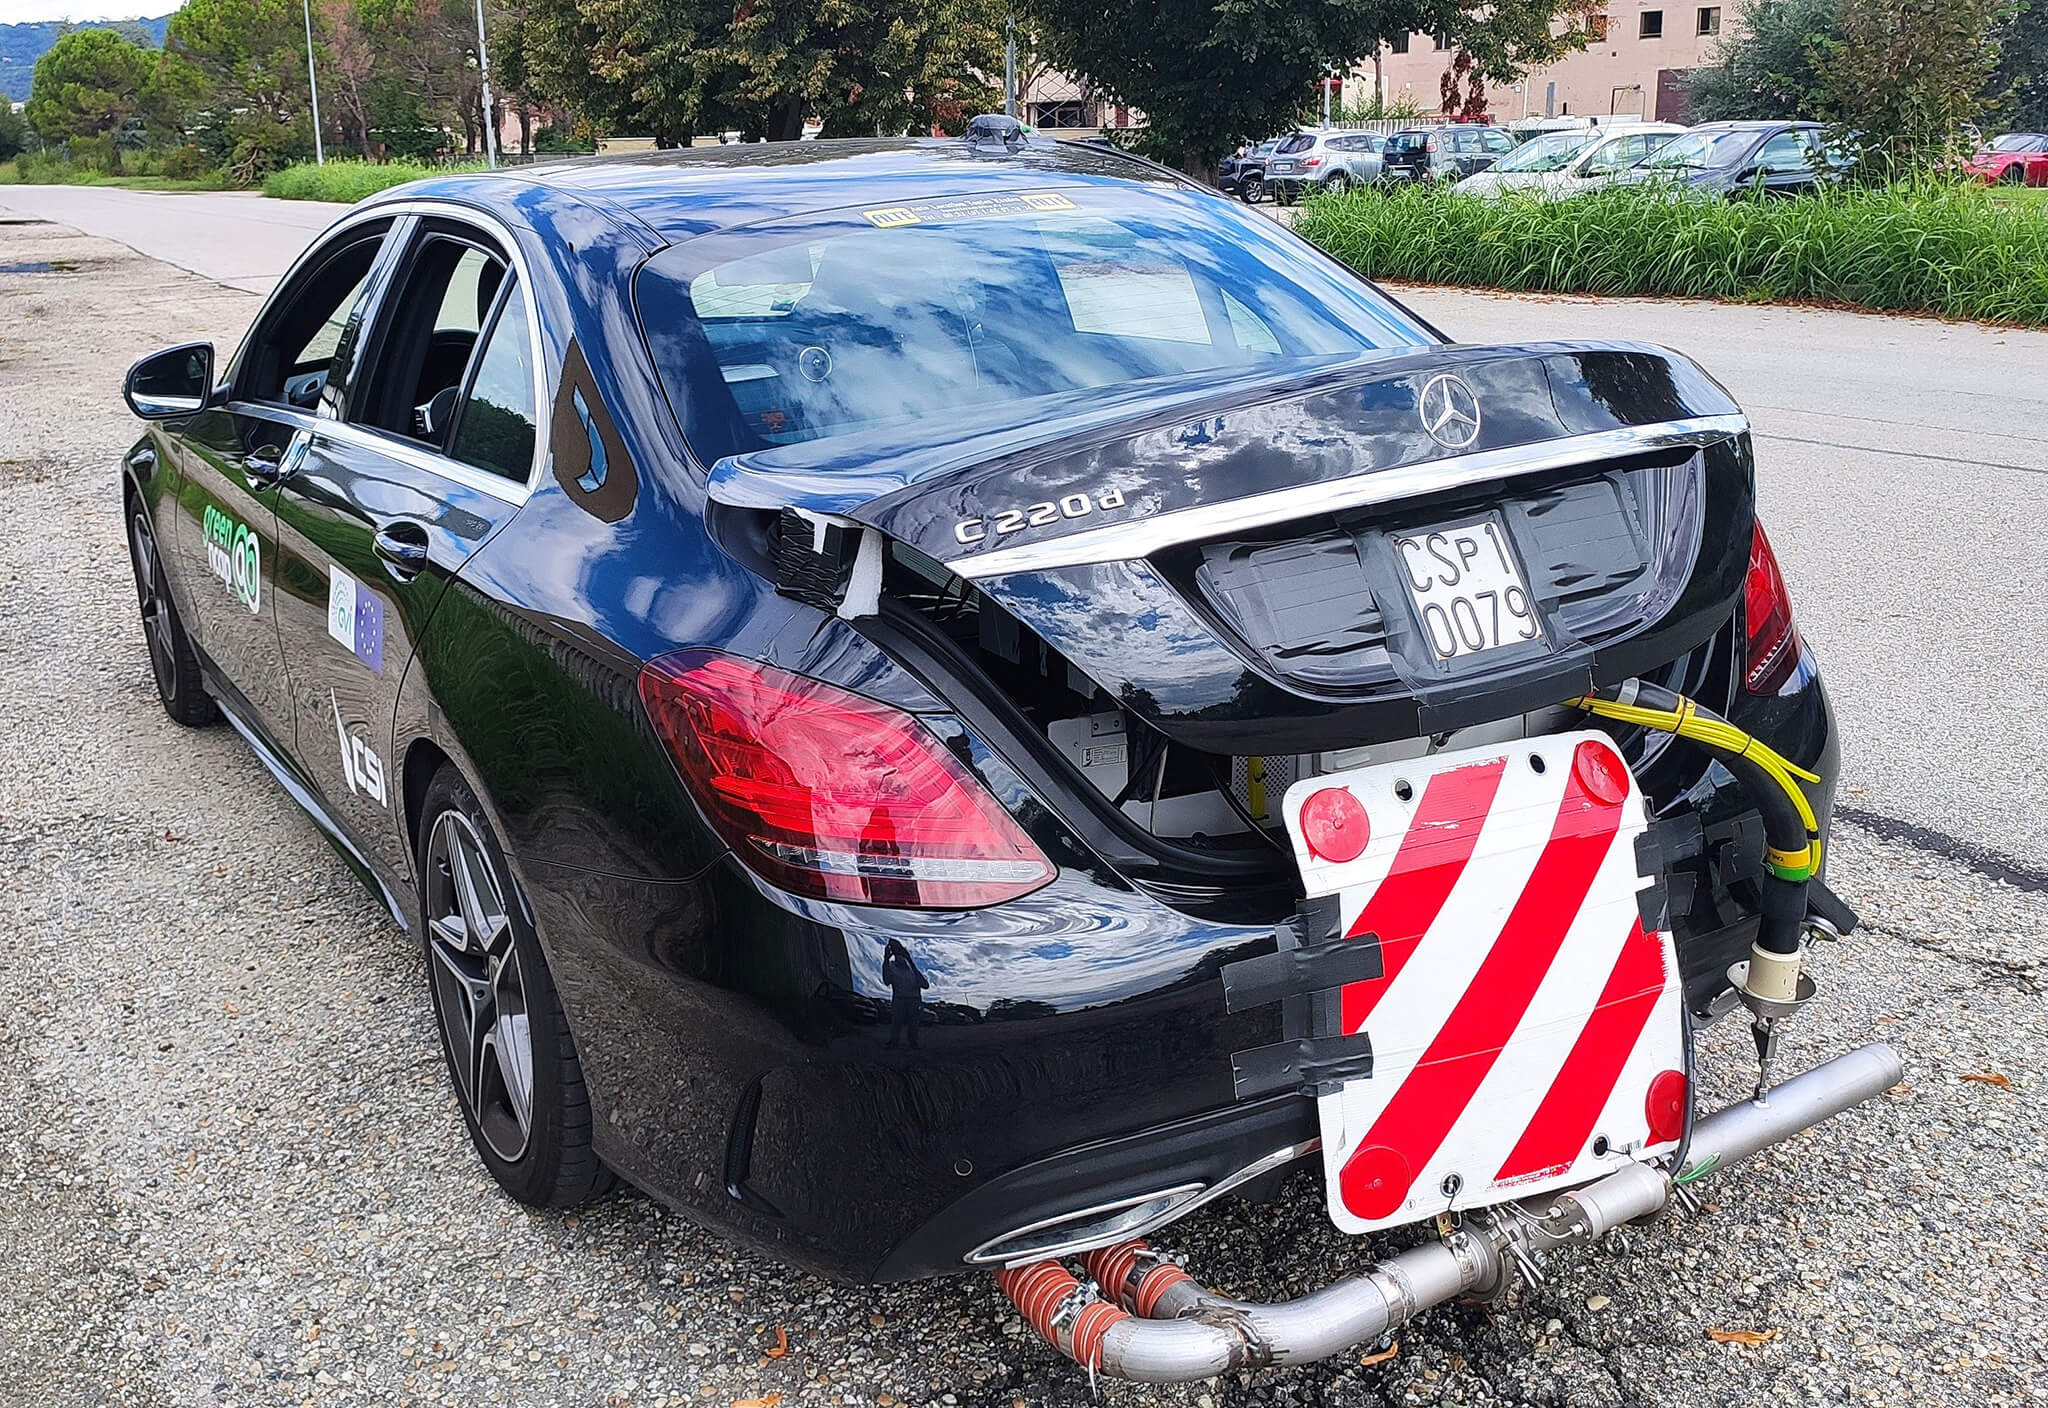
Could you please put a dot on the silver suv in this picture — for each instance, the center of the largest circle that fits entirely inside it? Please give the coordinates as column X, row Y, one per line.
column 1326, row 161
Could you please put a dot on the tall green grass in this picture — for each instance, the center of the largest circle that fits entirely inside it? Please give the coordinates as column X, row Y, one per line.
column 1923, row 248
column 350, row 181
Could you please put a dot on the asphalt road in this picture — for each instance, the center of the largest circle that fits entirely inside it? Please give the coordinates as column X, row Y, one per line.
column 230, row 1171
column 236, row 238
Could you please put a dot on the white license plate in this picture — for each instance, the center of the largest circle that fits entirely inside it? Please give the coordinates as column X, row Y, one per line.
column 1283, row 166
column 1468, row 591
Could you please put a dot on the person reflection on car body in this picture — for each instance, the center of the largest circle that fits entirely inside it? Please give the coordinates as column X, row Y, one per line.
column 906, row 988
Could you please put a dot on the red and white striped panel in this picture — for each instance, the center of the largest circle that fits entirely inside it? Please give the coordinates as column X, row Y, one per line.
column 1525, row 1017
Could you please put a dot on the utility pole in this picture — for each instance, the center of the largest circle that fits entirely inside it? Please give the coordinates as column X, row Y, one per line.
column 1327, row 71
column 1010, row 66
column 313, row 81
column 483, row 63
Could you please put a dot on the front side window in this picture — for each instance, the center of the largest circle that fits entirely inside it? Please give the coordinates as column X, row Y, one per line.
column 1699, row 151
column 496, row 430
column 1785, row 152
column 294, row 346
column 830, row 324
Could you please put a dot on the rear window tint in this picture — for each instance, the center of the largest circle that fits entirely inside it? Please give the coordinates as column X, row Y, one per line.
column 1299, row 142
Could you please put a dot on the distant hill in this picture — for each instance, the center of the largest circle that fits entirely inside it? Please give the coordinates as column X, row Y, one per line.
column 22, row 44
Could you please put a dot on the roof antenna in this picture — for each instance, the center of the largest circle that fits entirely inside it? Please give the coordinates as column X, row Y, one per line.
column 995, row 127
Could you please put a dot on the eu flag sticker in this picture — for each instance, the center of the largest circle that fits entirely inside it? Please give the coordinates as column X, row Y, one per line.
column 355, row 617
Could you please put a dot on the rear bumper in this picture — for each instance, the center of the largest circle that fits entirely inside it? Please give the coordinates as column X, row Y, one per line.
column 748, row 1065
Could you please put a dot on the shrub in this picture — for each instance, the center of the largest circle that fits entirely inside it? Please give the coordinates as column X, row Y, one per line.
column 348, row 181
column 186, row 164
column 95, row 154
column 1923, row 247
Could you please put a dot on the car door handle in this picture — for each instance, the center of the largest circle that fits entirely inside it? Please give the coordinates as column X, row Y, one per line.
column 403, row 546
column 264, row 467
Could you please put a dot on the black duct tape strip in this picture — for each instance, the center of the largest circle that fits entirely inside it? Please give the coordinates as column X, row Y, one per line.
column 1310, row 1065
column 1828, row 905
column 1253, row 982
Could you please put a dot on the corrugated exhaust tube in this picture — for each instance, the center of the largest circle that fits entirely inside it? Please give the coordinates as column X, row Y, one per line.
column 1151, row 1321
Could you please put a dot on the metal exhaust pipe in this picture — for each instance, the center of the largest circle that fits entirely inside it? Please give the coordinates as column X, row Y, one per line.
column 1152, row 1322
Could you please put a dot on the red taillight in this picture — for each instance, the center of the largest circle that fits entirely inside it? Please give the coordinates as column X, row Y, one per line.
column 1429, row 144
column 830, row 794
column 1312, row 161
column 1771, row 648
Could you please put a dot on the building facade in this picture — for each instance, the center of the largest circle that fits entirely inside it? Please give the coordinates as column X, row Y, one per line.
column 1634, row 66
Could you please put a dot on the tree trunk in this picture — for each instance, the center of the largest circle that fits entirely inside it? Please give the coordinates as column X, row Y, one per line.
column 786, row 119
column 1198, row 164
column 525, row 130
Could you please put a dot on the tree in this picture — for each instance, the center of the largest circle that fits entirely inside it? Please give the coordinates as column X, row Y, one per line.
column 251, row 57
column 1209, row 74
column 671, row 71
column 1772, row 67
column 1907, row 75
column 91, row 83
column 2023, row 67
column 13, row 131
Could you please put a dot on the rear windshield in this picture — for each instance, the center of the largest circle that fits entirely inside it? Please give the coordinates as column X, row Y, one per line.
column 1407, row 141
column 1299, row 142
column 825, row 324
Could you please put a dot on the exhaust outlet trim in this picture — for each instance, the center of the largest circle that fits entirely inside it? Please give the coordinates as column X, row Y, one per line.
column 1158, row 1325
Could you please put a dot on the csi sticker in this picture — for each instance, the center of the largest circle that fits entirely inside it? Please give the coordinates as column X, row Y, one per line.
column 355, row 617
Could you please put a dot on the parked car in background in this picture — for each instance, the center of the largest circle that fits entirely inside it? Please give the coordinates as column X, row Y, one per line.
column 1567, row 163
column 2016, row 159
column 1444, row 153
column 1245, row 176
column 1733, row 158
column 1323, row 161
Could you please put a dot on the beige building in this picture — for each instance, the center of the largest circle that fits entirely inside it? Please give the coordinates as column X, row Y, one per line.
column 1634, row 66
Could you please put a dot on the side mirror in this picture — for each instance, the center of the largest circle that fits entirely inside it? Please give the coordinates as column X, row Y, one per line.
column 171, row 384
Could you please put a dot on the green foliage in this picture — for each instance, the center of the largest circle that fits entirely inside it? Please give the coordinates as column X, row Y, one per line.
column 1401, row 108
column 1771, row 67
column 672, row 71
column 350, row 181
column 246, row 64
column 1919, row 247
column 2023, row 67
column 90, row 84
column 1209, row 74
column 13, row 132
column 1907, row 75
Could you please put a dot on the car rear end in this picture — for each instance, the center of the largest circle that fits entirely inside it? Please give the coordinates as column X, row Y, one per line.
column 1065, row 675
column 1410, row 157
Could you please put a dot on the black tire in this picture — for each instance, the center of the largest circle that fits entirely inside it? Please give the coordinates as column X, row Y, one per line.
column 483, row 960
column 172, row 660
column 1252, row 190
column 2013, row 175
column 1338, row 184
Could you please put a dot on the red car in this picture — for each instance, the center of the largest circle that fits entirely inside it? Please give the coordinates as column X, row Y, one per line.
column 2016, row 159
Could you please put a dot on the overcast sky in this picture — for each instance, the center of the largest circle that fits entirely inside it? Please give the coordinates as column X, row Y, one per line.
column 16, row 11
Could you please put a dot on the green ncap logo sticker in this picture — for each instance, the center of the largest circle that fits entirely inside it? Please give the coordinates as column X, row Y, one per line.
column 235, row 554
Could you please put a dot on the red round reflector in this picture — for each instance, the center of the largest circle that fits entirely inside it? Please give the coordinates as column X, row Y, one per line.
column 1601, row 772
column 1334, row 825
column 1375, row 1181
column 1666, row 1106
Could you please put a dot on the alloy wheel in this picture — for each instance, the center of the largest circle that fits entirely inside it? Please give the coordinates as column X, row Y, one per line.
column 156, row 611
column 481, row 985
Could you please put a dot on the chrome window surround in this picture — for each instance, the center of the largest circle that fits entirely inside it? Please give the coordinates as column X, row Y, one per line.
column 1121, row 542
column 415, row 455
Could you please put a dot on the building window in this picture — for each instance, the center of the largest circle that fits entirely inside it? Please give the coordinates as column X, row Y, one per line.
column 1650, row 25
column 1596, row 27
column 1441, row 40
column 1058, row 115
column 1400, row 43
column 1710, row 20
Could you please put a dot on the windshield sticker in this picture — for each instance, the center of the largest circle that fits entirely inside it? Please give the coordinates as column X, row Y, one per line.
column 360, row 766
column 355, row 617
column 235, row 554
column 889, row 217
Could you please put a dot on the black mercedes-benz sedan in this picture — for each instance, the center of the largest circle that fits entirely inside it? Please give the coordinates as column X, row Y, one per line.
column 890, row 678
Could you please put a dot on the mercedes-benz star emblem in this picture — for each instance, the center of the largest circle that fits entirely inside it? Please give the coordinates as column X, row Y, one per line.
column 1449, row 412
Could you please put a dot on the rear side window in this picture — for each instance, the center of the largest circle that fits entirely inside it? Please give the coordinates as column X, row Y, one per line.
column 496, row 431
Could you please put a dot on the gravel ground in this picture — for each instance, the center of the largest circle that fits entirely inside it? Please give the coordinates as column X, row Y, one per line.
column 231, row 1173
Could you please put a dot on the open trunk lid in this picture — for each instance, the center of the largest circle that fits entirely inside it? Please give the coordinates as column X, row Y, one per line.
column 1217, row 553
